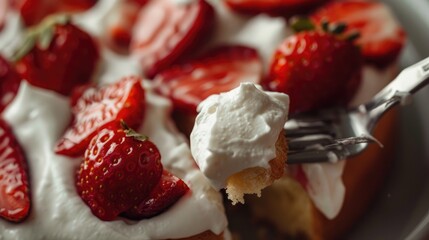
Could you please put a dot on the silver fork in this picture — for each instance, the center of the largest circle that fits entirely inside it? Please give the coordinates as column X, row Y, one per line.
column 337, row 134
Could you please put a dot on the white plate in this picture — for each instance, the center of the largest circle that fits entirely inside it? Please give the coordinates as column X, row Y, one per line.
column 402, row 210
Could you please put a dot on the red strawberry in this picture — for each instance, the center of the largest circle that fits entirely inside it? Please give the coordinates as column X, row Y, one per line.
column 382, row 38
column 34, row 11
column 120, row 169
column 9, row 83
column 124, row 100
column 168, row 191
column 57, row 55
column 276, row 7
column 220, row 70
column 316, row 69
column 166, row 29
column 14, row 186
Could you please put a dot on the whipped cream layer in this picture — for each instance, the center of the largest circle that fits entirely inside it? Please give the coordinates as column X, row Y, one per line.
column 237, row 130
column 38, row 117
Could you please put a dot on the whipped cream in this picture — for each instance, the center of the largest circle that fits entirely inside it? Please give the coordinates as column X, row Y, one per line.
column 237, row 130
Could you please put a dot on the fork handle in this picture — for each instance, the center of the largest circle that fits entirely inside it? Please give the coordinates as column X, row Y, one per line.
column 409, row 81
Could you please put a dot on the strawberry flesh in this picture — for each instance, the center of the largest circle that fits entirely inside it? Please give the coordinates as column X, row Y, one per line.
column 220, row 70
column 9, row 83
column 118, row 172
column 70, row 60
column 381, row 36
column 4, row 5
column 14, row 186
column 316, row 70
column 168, row 191
column 166, row 30
column 124, row 100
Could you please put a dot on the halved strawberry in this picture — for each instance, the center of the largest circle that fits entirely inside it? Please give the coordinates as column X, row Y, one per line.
column 168, row 191
column 220, row 70
column 119, row 170
column 9, row 83
column 14, row 186
column 57, row 55
column 276, row 7
column 124, row 100
column 316, row 69
column 166, row 29
column 382, row 38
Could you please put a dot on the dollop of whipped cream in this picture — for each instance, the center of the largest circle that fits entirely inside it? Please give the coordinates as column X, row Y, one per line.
column 237, row 130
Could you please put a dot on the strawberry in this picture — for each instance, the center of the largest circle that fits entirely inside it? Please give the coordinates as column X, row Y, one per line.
column 220, row 70
column 34, row 11
column 165, row 30
column 119, row 170
column 14, row 186
column 382, row 38
column 124, row 100
column 168, row 191
column 316, row 69
column 9, row 83
column 57, row 55
column 275, row 7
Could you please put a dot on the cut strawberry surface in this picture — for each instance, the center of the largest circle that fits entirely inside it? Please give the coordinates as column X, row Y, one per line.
column 57, row 55
column 166, row 29
column 167, row 192
column 120, row 169
column 124, row 100
column 277, row 7
column 4, row 6
column 382, row 38
column 14, row 186
column 220, row 70
column 9, row 83
column 316, row 69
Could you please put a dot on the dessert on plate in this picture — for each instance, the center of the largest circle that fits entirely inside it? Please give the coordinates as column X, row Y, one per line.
column 93, row 93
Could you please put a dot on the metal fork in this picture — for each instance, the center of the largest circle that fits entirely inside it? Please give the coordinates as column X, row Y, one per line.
column 337, row 134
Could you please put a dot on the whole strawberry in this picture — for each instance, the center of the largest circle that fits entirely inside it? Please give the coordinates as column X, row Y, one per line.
column 119, row 171
column 316, row 68
column 9, row 83
column 14, row 186
column 57, row 55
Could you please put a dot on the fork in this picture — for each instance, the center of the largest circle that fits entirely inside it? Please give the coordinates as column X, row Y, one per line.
column 336, row 134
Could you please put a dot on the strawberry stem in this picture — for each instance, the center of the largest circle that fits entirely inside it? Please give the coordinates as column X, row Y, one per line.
column 129, row 132
column 41, row 35
column 300, row 24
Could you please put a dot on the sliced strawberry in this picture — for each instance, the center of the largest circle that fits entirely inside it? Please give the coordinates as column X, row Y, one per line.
column 168, row 191
column 9, row 83
column 316, row 69
column 276, row 7
column 119, row 170
column 14, row 186
column 166, row 29
column 124, row 100
column 382, row 38
column 220, row 70
column 75, row 5
column 57, row 55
